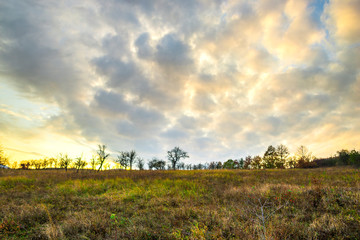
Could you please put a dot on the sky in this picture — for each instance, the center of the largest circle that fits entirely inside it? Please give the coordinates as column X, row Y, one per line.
column 219, row 79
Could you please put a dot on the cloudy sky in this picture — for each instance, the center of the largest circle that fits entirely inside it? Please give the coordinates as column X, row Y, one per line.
column 220, row 79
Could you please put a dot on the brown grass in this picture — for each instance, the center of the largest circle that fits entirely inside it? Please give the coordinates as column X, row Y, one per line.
column 204, row 204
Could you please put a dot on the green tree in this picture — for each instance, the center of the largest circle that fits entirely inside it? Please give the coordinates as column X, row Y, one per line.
column 270, row 157
column 344, row 157
column 354, row 157
column 241, row 163
column 292, row 162
column 175, row 155
column 229, row 164
column 256, row 162
column 102, row 156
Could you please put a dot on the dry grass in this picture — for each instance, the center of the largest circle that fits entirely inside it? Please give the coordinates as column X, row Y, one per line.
column 209, row 204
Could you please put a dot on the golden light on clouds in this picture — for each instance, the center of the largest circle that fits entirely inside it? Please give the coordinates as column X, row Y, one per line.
column 220, row 79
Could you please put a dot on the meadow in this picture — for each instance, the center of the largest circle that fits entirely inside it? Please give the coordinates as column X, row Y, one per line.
column 321, row 203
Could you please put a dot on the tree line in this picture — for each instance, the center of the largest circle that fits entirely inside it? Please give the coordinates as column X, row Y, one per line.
column 124, row 160
column 274, row 157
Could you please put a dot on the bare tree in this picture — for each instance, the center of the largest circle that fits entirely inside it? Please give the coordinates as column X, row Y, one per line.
column 123, row 159
column 132, row 155
column 36, row 163
column 79, row 163
column 304, row 157
column 45, row 163
column 64, row 161
column 102, row 155
column 53, row 162
column 156, row 163
column 140, row 163
column 175, row 155
column 93, row 162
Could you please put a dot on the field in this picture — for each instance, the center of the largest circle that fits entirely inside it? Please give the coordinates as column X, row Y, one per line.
column 204, row 204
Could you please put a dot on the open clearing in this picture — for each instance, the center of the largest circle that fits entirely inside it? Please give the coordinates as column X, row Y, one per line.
column 204, row 204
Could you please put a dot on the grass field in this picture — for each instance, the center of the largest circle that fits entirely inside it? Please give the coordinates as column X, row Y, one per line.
column 204, row 204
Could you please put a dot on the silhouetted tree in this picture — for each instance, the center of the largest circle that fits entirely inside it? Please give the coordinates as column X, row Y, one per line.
column 36, row 163
column 64, row 161
column 175, row 155
column 132, row 156
column 140, row 163
column 123, row 159
column 344, row 157
column 156, row 163
column 93, row 162
column 44, row 163
column 181, row 166
column 102, row 155
column 219, row 165
column 304, row 158
column 79, row 163
column 24, row 164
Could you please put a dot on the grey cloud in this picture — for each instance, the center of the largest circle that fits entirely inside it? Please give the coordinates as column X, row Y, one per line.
column 187, row 122
column 111, row 102
column 172, row 52
column 118, row 15
column 175, row 134
column 146, row 118
column 138, row 118
column 144, row 50
column 128, row 129
column 115, row 46
column 119, row 72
